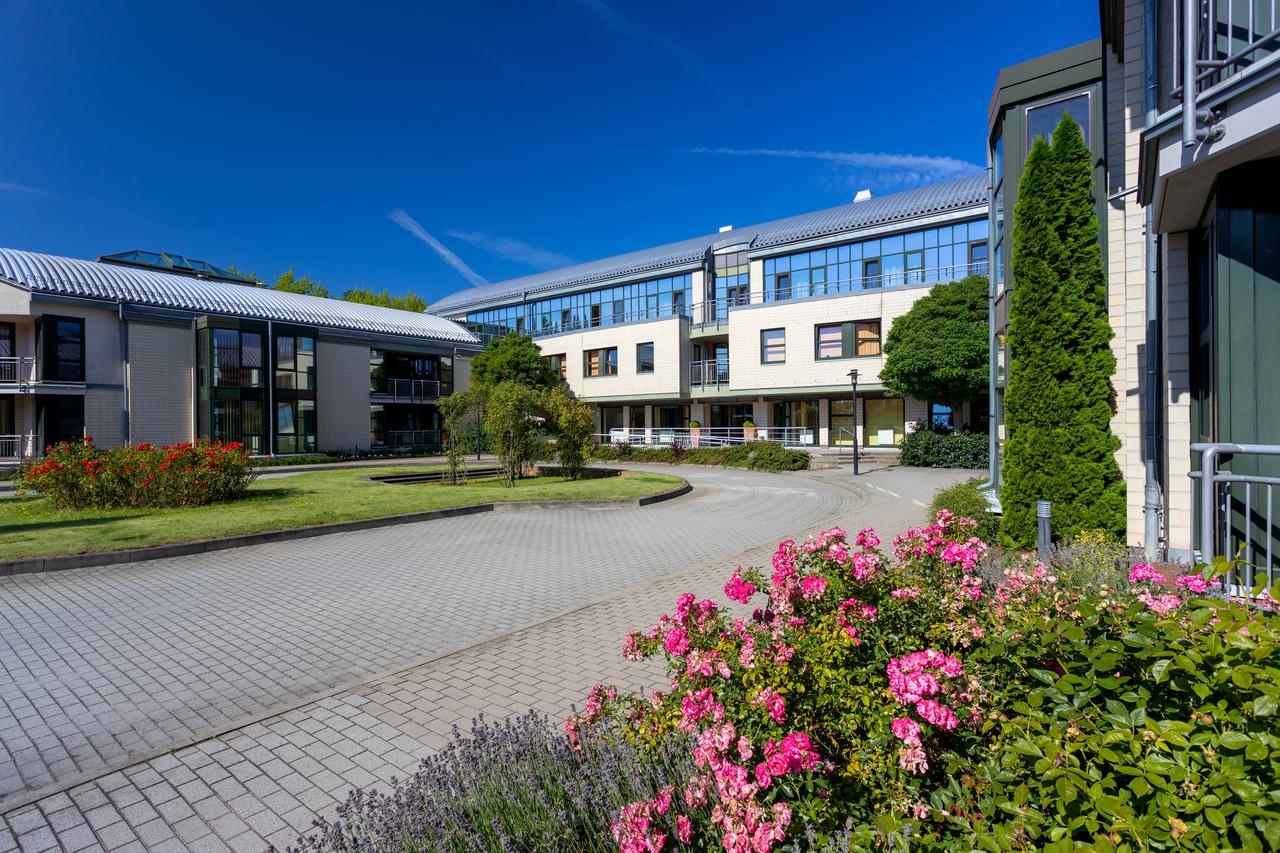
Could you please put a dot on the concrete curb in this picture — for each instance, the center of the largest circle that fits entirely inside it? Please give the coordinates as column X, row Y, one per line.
column 38, row 565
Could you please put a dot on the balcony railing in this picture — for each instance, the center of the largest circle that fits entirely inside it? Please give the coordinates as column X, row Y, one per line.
column 716, row 311
column 15, row 448
column 1237, row 515
column 884, row 281
column 18, row 370
column 606, row 317
column 412, row 438
column 711, row 373
column 801, row 437
column 1213, row 41
column 412, row 390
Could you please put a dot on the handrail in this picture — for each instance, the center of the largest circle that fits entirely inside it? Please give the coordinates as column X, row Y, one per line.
column 709, row 372
column 1205, row 49
column 411, row 389
column 883, row 281
column 17, row 446
column 18, row 369
column 1218, row 509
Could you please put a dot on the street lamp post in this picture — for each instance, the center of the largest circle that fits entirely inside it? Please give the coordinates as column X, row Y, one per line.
column 853, row 382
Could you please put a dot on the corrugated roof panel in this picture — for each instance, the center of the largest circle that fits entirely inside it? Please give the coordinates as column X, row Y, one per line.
column 73, row 277
column 881, row 210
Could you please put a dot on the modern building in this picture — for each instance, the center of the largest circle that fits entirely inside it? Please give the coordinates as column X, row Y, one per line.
column 156, row 347
column 1181, row 103
column 762, row 324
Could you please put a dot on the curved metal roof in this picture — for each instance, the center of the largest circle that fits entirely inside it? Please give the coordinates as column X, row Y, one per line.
column 669, row 258
column 41, row 273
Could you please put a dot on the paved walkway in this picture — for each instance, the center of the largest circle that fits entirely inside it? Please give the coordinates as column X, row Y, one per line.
column 221, row 701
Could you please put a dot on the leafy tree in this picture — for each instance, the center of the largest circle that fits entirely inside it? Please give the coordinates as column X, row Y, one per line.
column 510, row 416
column 514, row 358
column 574, row 422
column 939, row 349
column 455, row 410
column 409, row 301
column 1059, row 400
column 291, row 283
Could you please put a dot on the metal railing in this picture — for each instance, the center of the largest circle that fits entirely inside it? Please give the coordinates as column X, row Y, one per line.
column 412, row 389
column 17, row 447
column 413, row 438
column 1237, row 514
column 1213, row 41
column 799, row 437
column 716, row 311
column 606, row 317
column 884, row 281
column 18, row 370
column 711, row 373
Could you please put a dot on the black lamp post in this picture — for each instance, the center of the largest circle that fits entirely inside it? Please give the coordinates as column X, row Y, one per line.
column 853, row 382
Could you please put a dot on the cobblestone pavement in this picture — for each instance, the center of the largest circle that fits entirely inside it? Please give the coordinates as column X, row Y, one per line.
column 222, row 701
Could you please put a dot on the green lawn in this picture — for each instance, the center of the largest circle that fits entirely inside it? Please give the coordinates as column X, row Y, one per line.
column 28, row 528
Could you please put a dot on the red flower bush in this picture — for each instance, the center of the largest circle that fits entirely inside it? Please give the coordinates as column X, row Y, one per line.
column 78, row 475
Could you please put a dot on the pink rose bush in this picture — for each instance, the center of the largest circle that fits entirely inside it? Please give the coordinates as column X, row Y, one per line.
column 850, row 685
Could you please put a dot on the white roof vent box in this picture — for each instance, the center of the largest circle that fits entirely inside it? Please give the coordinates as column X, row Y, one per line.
column 863, row 195
column 724, row 228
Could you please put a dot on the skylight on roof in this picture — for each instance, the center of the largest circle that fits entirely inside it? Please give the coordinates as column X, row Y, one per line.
column 173, row 263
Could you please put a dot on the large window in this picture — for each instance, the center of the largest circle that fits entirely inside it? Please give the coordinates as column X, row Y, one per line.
column 644, row 357
column 296, row 362
column 559, row 364
column 732, row 282
column 60, row 419
column 919, row 257
column 295, row 392
column 61, row 342
column 671, row 417
column 232, row 368
column 773, row 346
column 600, row 362
column 941, row 416
column 296, row 426
column 8, row 340
column 1042, row 119
column 886, row 425
column 846, row 340
column 626, row 303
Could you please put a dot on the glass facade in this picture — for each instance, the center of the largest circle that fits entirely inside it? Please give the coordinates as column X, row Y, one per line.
column 625, row 303
column 232, row 391
column 732, row 284
column 928, row 256
column 885, row 421
column 1042, row 119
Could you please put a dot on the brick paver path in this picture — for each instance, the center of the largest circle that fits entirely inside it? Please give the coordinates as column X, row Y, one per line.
column 222, row 701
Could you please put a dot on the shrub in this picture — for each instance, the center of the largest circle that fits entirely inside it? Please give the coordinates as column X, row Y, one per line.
column 756, row 455
column 515, row 785
column 926, row 448
column 968, row 501
column 78, row 475
column 1092, row 560
column 574, row 421
column 510, row 417
column 296, row 459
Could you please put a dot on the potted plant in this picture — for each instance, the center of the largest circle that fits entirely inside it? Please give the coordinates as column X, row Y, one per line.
column 695, row 429
column 749, row 430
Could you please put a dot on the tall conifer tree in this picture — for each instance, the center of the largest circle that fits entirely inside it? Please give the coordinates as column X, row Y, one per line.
column 1059, row 400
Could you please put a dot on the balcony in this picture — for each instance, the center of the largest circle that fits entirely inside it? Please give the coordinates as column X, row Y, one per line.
column 604, row 318
column 714, row 313
column 411, row 390
column 709, row 374
column 16, row 448
column 18, row 370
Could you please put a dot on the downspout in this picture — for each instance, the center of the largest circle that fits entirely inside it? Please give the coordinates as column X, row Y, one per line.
column 993, row 449
column 124, row 375
column 1151, row 501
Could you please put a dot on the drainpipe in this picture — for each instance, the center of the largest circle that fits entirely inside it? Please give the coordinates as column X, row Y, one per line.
column 124, row 370
column 993, row 449
column 1151, row 501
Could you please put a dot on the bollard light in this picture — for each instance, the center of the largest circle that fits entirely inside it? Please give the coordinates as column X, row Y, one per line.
column 1044, row 514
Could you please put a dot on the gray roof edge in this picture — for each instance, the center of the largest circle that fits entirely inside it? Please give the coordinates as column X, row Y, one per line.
column 879, row 213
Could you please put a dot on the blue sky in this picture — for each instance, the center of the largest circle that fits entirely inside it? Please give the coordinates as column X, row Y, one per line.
column 513, row 137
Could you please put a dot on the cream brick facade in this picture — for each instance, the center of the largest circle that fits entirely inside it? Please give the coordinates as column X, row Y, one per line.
column 161, row 380
column 672, row 352
column 342, row 396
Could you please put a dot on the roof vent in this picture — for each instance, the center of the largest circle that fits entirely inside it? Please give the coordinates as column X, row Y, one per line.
column 724, row 228
column 863, row 195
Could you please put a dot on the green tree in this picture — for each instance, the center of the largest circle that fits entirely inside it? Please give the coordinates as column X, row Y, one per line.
column 455, row 410
column 409, row 301
column 938, row 350
column 514, row 358
column 1059, row 400
column 510, row 416
column 574, row 423
column 291, row 283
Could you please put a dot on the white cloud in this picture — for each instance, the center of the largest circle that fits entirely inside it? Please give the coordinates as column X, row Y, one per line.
column 645, row 36
column 7, row 187
column 408, row 223
column 852, row 166
column 514, row 250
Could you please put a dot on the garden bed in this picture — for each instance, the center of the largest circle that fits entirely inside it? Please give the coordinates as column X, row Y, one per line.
column 30, row 528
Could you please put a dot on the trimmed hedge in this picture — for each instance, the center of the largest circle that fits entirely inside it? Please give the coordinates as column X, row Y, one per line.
column 968, row 501
column 756, row 455
column 925, row 448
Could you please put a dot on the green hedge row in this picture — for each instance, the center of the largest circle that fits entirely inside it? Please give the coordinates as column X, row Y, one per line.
column 756, row 455
column 925, row 448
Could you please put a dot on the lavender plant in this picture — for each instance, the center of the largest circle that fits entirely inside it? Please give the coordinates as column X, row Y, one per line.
column 511, row 785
